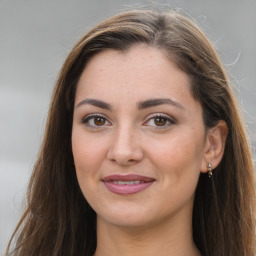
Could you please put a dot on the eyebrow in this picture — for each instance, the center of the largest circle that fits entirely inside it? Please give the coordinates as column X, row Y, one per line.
column 156, row 102
column 96, row 103
column 141, row 105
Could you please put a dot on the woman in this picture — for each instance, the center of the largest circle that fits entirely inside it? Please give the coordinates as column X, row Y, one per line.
column 144, row 151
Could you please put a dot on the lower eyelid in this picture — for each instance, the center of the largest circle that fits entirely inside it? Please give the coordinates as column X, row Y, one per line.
column 169, row 120
column 168, row 123
column 90, row 117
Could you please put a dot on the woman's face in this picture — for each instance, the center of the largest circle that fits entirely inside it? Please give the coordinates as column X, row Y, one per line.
column 138, row 138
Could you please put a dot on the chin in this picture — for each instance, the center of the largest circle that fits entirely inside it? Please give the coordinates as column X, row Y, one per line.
column 126, row 218
column 126, row 222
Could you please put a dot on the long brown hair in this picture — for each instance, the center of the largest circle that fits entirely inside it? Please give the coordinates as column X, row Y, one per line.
column 58, row 220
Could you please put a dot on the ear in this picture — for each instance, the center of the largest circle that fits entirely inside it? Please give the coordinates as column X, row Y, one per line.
column 214, row 145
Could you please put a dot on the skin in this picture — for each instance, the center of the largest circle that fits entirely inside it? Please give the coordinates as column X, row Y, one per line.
column 126, row 139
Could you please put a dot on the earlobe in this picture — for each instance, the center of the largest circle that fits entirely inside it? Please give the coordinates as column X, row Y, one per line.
column 214, row 145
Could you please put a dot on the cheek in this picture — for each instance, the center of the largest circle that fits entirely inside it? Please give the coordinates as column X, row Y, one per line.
column 87, row 158
column 88, row 155
column 178, row 156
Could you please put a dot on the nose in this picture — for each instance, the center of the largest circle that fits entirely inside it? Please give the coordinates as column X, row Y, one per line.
column 125, row 147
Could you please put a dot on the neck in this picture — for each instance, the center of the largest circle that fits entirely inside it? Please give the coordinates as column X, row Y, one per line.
column 172, row 239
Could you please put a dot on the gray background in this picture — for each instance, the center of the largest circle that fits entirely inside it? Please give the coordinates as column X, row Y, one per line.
column 35, row 37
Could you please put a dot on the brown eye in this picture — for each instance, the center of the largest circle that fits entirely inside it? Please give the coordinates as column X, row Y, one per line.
column 160, row 121
column 99, row 121
column 95, row 121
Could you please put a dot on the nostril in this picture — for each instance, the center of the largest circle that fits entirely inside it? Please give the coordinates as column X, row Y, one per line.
column 123, row 158
column 125, row 149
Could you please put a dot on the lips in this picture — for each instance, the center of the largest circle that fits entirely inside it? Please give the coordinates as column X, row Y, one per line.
column 127, row 184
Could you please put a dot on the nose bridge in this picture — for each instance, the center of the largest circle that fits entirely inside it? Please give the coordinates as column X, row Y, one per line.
column 125, row 146
column 125, row 138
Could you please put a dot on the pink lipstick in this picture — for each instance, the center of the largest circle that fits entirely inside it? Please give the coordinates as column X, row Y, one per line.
column 127, row 184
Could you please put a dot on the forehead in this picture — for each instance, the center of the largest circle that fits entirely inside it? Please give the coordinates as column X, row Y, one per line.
column 138, row 63
column 139, row 73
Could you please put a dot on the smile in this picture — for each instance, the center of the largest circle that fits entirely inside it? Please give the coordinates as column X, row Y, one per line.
column 127, row 184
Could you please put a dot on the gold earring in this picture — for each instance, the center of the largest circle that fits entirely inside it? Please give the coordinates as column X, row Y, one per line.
column 209, row 169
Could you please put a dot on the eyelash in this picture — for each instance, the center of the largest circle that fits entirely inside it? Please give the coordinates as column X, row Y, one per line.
column 168, row 121
column 93, row 117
